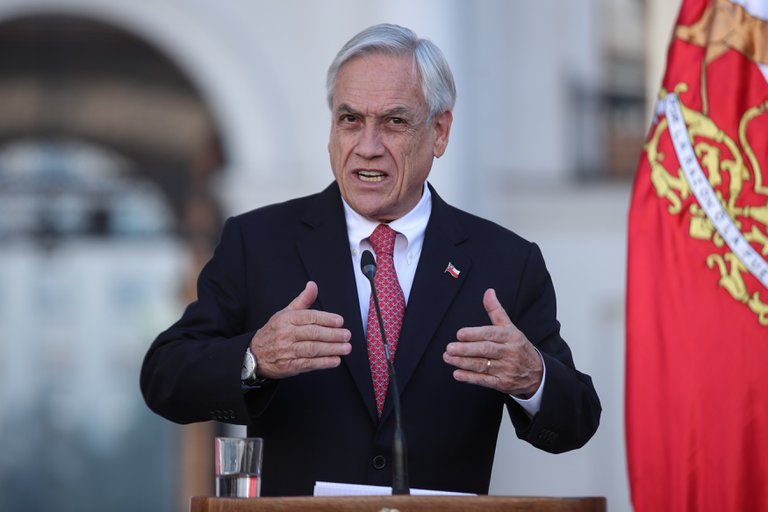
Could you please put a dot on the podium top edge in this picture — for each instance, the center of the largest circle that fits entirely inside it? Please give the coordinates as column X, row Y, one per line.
column 401, row 504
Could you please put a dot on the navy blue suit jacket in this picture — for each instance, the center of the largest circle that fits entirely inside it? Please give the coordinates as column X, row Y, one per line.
column 323, row 425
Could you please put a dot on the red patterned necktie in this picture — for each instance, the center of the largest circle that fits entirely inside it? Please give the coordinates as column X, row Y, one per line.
column 392, row 304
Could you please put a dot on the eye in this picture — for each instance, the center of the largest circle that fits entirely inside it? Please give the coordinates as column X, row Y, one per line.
column 398, row 124
column 347, row 119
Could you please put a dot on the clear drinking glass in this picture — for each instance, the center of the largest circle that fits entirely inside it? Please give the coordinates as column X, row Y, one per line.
column 238, row 467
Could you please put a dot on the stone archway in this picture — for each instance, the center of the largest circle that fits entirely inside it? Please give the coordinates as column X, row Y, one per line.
column 63, row 76
column 73, row 90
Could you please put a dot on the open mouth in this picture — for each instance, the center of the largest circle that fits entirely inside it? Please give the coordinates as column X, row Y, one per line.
column 371, row 176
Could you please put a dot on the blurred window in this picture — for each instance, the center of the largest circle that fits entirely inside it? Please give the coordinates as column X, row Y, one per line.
column 107, row 158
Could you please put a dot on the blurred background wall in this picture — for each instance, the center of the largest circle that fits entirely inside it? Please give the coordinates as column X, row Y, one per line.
column 130, row 129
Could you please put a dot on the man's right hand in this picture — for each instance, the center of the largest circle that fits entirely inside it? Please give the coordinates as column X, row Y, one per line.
column 298, row 339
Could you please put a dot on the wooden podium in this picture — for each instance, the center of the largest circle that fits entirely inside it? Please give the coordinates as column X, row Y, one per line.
column 399, row 503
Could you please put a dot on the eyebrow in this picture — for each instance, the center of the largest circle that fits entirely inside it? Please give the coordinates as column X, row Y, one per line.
column 347, row 109
column 396, row 111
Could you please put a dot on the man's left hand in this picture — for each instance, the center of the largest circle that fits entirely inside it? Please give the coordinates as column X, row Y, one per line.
column 497, row 356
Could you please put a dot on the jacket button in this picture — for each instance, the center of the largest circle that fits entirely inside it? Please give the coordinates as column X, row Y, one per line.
column 379, row 462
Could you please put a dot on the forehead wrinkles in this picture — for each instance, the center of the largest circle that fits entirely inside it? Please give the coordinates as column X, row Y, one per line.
column 379, row 83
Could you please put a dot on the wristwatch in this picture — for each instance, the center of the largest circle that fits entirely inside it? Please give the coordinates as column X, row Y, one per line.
column 248, row 371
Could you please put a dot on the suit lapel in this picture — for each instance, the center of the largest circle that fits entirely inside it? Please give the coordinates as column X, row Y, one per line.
column 327, row 258
column 432, row 291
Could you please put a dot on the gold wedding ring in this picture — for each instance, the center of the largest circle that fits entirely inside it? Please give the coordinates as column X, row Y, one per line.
column 487, row 365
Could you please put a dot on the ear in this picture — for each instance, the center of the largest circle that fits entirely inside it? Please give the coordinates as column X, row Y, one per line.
column 442, row 127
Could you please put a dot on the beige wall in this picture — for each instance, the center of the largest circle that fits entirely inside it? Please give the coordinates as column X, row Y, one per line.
column 661, row 16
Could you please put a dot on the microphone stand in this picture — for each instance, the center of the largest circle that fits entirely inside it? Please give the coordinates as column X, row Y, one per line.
column 399, row 452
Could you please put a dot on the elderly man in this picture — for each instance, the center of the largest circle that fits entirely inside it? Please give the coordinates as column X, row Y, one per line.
column 284, row 338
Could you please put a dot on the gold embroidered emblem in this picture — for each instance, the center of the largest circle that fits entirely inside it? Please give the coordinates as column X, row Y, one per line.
column 718, row 154
column 722, row 171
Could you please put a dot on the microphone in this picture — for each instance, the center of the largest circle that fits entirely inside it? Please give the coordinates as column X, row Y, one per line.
column 368, row 266
column 399, row 455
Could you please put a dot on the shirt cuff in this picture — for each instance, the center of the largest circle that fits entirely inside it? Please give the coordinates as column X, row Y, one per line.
column 533, row 404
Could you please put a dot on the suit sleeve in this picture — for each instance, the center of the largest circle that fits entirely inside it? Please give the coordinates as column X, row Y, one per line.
column 570, row 408
column 192, row 370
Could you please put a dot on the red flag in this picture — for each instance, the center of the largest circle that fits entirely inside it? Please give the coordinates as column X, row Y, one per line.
column 697, row 277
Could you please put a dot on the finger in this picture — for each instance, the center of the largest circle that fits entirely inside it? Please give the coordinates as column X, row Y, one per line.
column 316, row 349
column 493, row 333
column 320, row 333
column 302, row 365
column 301, row 314
column 311, row 317
column 483, row 349
column 498, row 331
column 480, row 379
column 305, row 299
column 495, row 310
column 471, row 364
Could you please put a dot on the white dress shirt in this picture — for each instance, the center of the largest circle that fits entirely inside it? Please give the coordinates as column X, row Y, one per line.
column 408, row 243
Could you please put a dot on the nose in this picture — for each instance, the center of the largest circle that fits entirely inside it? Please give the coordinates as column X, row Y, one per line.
column 369, row 145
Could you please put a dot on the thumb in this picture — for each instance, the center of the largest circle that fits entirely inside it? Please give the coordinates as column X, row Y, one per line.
column 494, row 309
column 305, row 299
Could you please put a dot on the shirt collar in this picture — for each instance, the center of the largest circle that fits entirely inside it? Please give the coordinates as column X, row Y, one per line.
column 412, row 225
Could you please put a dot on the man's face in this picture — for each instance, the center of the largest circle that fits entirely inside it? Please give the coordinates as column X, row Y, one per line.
column 380, row 148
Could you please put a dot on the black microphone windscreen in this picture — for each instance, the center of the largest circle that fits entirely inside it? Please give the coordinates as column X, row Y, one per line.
column 368, row 264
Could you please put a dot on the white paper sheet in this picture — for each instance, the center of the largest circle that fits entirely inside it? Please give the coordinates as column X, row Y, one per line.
column 340, row 489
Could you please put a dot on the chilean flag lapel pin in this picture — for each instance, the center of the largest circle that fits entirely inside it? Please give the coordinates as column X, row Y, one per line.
column 452, row 271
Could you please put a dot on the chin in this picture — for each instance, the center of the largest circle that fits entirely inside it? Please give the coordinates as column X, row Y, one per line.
column 375, row 216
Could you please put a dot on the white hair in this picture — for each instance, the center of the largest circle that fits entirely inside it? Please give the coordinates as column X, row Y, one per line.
column 435, row 74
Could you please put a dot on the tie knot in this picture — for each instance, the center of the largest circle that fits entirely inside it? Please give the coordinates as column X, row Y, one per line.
column 383, row 240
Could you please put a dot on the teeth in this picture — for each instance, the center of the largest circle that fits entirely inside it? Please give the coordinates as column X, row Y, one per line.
column 371, row 176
